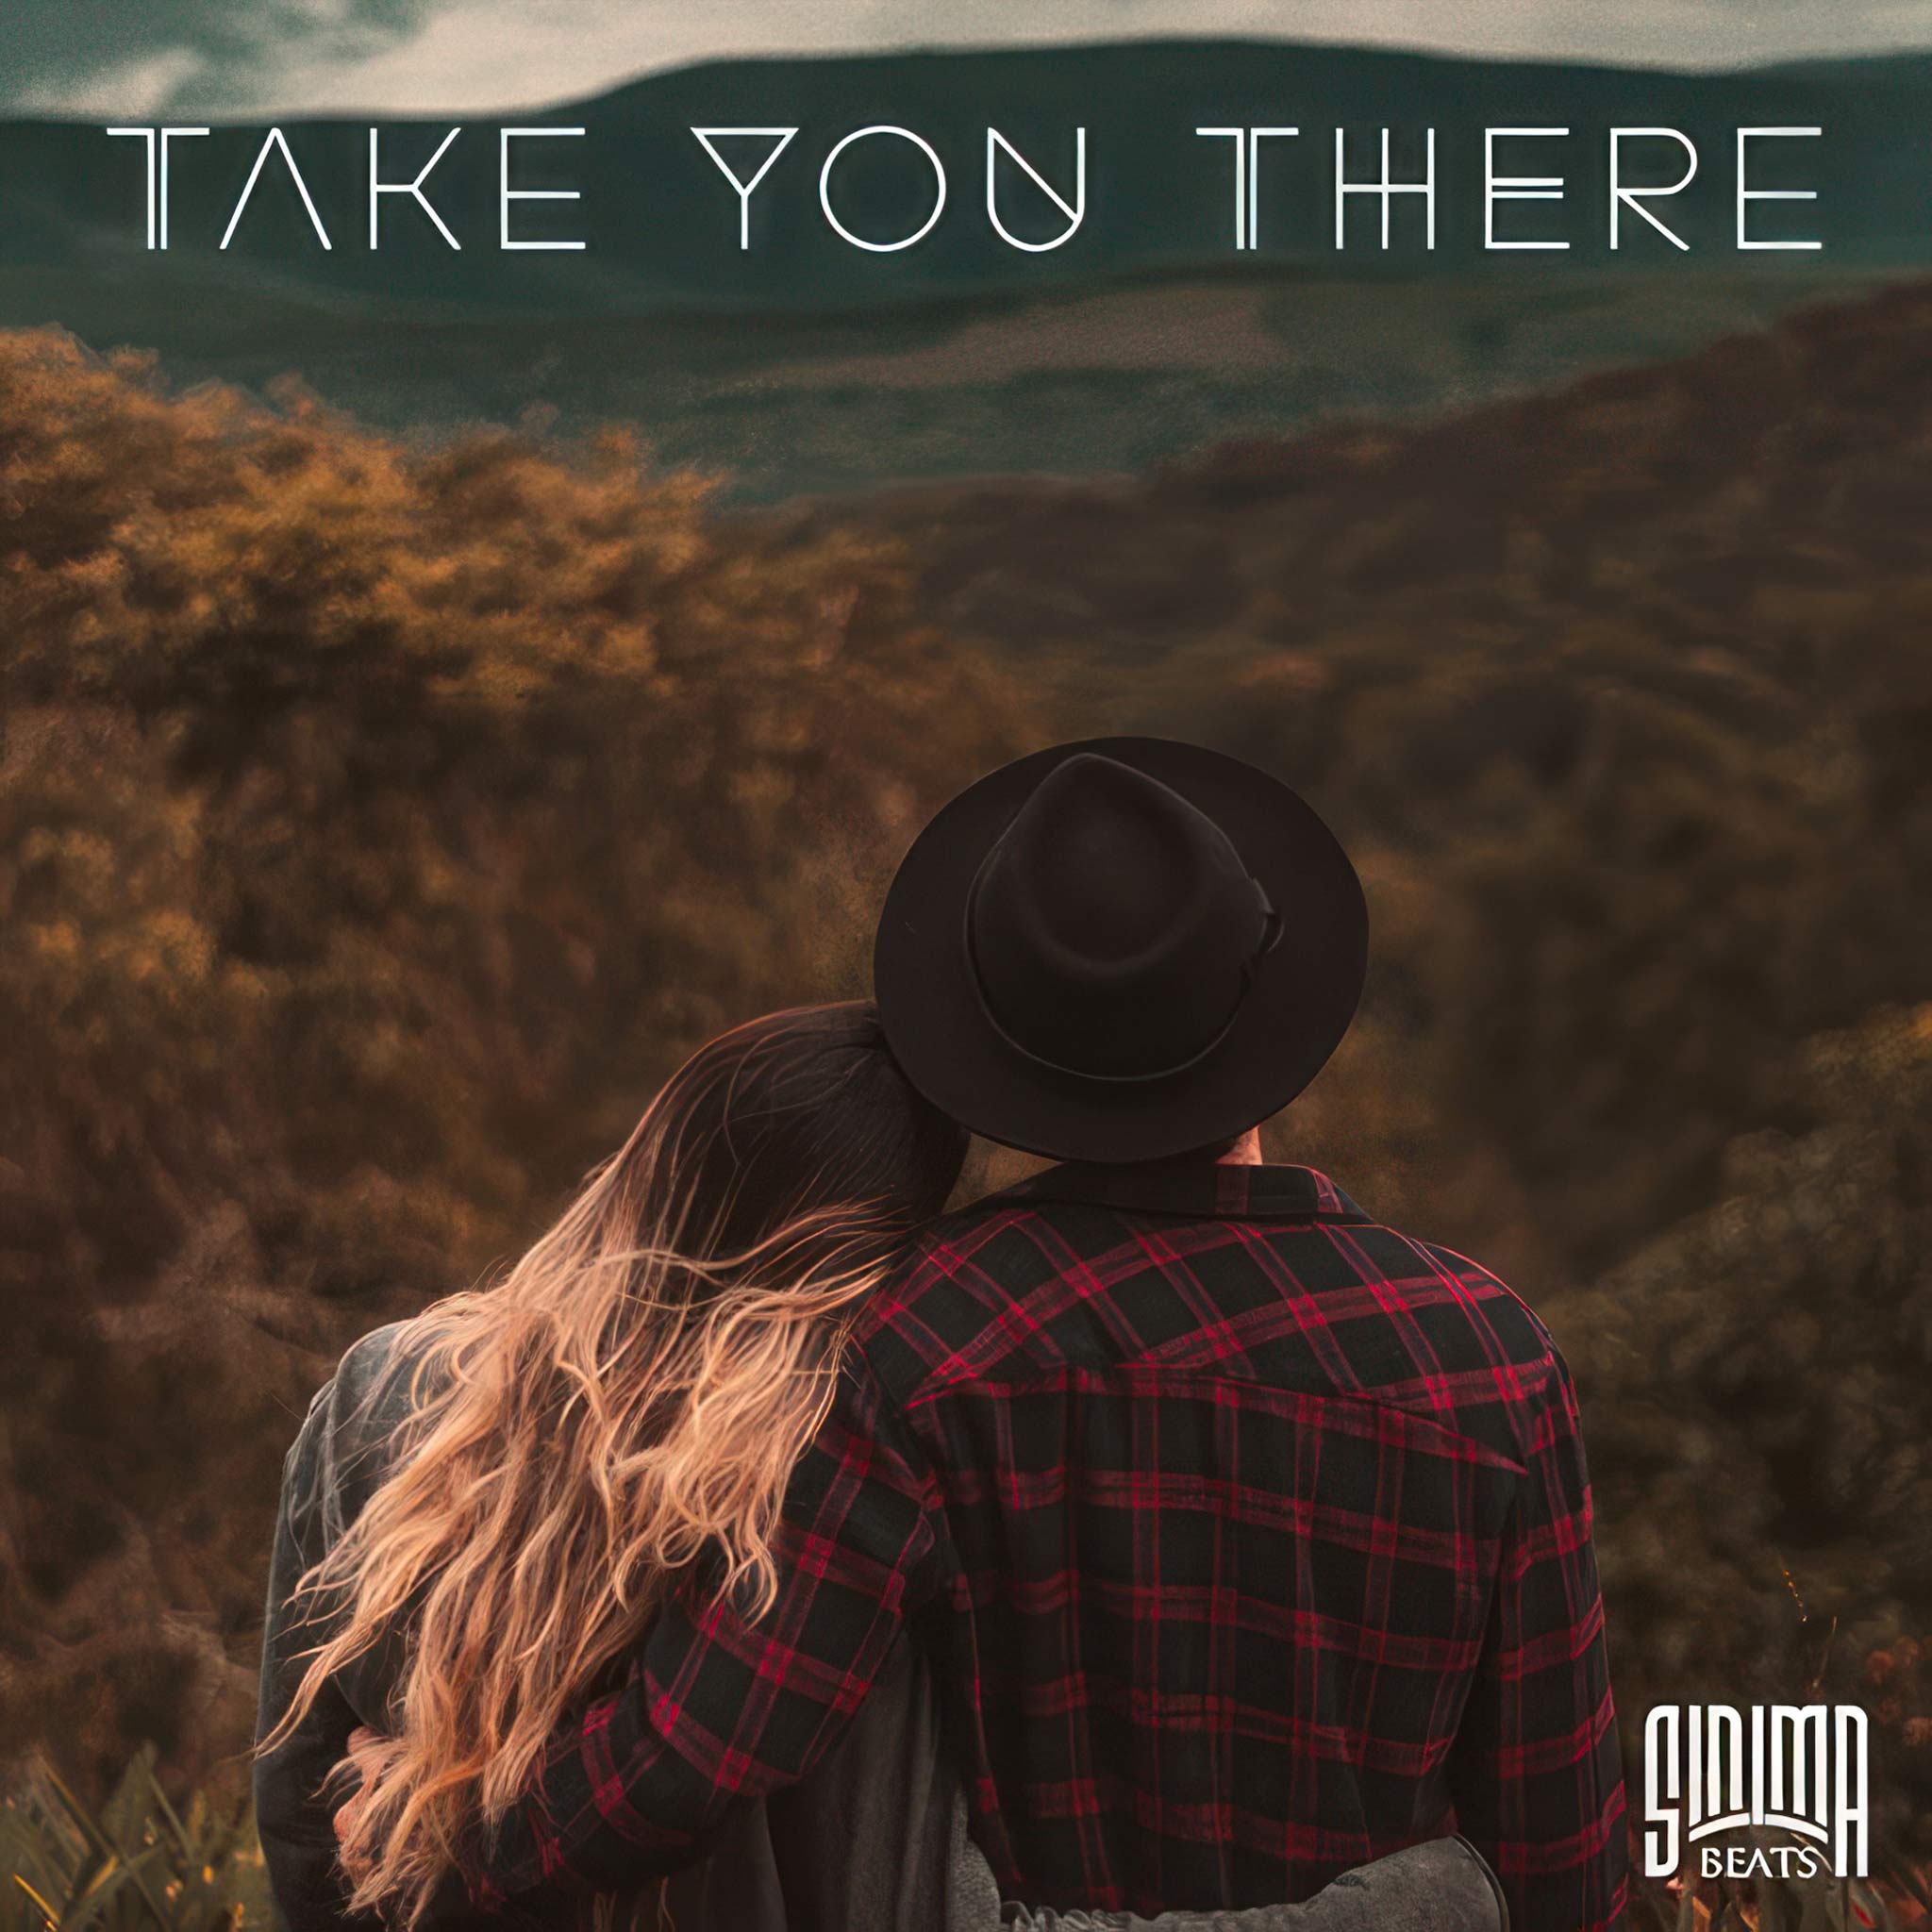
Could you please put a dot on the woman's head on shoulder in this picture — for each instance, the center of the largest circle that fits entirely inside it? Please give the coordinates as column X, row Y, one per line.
column 793, row 1128
column 619, row 1416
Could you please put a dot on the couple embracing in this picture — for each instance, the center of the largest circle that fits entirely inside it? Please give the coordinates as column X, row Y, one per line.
column 1161, row 1538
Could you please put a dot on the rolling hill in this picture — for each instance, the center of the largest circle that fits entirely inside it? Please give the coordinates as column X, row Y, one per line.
column 376, row 823
column 803, row 363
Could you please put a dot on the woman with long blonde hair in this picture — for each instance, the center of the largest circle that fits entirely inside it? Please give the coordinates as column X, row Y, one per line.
column 488, row 1503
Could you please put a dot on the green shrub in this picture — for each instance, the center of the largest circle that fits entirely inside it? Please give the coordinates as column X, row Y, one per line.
column 134, row 1864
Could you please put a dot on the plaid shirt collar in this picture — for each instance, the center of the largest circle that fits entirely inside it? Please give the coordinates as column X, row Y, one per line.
column 1198, row 1190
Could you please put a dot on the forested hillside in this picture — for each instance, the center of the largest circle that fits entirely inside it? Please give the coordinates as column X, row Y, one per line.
column 375, row 831
column 377, row 825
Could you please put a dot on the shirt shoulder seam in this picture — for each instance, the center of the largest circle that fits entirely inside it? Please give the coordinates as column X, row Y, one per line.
column 931, row 1390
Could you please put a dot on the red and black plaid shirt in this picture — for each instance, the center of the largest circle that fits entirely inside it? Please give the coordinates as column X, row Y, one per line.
column 1250, row 1539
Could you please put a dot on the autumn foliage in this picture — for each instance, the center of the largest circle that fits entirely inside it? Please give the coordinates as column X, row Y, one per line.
column 378, row 822
column 377, row 826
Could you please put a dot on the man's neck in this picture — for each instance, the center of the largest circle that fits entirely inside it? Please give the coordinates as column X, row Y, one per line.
column 1246, row 1152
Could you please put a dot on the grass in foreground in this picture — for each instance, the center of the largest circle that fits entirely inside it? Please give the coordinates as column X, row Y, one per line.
column 138, row 1863
column 135, row 1863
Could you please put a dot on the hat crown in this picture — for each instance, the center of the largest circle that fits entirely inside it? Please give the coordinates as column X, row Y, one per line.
column 1080, row 954
column 1113, row 926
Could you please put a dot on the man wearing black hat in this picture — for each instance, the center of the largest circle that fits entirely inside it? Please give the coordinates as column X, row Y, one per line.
column 1249, row 1540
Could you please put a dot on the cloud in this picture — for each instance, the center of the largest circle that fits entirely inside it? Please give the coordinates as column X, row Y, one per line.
column 137, row 88
column 467, row 56
column 123, row 57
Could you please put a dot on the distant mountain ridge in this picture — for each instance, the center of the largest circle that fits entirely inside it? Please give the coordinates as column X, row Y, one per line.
column 660, row 221
column 803, row 364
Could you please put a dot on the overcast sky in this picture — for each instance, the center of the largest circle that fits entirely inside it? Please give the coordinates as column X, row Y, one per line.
column 139, row 58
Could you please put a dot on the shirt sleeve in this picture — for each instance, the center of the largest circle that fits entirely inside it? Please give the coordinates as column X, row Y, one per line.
column 718, row 1706
column 1536, row 1773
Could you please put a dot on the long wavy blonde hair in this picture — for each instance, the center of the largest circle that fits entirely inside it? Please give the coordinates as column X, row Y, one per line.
column 629, row 1399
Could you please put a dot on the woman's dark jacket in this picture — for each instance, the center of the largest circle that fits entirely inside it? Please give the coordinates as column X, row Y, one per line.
column 874, row 1839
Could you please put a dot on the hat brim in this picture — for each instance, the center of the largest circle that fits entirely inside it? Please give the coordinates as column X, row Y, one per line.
column 1301, row 998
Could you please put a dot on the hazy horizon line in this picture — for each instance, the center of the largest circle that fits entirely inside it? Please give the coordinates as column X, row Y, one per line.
column 968, row 50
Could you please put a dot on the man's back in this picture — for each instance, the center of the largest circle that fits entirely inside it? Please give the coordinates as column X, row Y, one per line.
column 1265, row 1543
column 1248, row 1537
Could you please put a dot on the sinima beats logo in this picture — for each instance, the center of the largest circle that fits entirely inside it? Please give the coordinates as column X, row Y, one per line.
column 1799, row 1769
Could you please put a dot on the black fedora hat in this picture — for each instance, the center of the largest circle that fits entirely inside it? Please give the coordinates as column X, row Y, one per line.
column 1120, row 950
